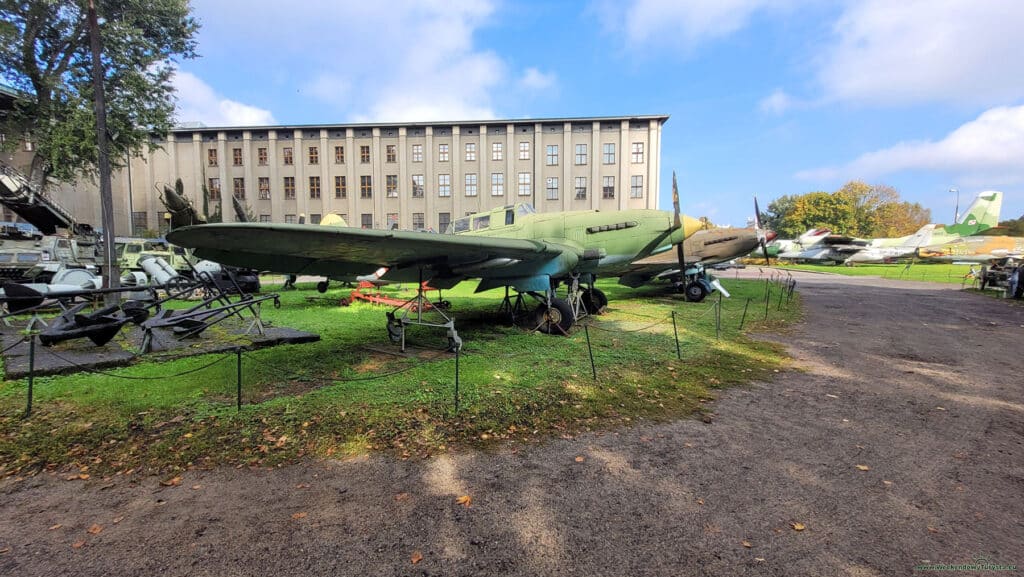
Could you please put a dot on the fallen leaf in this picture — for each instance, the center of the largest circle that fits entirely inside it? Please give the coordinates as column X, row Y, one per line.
column 401, row 496
column 172, row 482
column 78, row 544
column 83, row 476
column 5, row 550
column 580, row 459
column 281, row 441
column 465, row 501
column 298, row 516
column 759, row 559
column 940, row 408
column 797, row 526
column 863, row 467
column 700, row 501
column 831, row 396
column 747, row 544
column 887, row 482
column 416, row 557
column 932, row 529
column 55, row 527
column 118, row 519
column 196, row 487
column 302, row 486
column 95, row 529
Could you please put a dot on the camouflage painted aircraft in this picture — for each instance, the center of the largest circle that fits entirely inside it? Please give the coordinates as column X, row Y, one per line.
column 981, row 215
column 984, row 249
column 513, row 247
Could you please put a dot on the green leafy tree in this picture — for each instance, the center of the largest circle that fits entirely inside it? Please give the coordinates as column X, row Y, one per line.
column 856, row 209
column 45, row 54
column 1012, row 227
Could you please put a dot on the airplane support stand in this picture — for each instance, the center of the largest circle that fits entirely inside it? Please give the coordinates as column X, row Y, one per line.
column 418, row 304
column 515, row 310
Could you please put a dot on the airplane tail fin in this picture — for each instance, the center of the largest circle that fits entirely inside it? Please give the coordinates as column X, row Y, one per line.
column 982, row 214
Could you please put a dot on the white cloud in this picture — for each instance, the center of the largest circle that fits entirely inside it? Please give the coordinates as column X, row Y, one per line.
column 777, row 102
column 198, row 102
column 987, row 150
column 688, row 23
column 911, row 51
column 534, row 79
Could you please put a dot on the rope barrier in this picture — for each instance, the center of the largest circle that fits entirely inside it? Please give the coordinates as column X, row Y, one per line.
column 23, row 340
column 86, row 369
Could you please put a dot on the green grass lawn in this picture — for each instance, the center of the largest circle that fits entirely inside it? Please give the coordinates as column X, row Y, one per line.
column 948, row 273
column 350, row 392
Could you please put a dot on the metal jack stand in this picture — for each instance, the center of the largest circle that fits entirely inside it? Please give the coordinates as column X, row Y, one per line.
column 418, row 305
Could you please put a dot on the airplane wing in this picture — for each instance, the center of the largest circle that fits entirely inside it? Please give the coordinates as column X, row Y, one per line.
column 336, row 251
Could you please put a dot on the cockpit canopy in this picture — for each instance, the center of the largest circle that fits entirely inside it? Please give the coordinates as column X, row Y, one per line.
column 494, row 217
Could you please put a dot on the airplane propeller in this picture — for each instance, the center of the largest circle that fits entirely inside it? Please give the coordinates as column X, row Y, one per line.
column 762, row 238
column 678, row 224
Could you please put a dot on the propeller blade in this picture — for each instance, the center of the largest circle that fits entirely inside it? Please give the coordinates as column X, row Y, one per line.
column 679, row 224
column 761, row 237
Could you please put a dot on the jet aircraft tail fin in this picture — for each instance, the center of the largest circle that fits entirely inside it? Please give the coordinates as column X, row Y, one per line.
column 982, row 214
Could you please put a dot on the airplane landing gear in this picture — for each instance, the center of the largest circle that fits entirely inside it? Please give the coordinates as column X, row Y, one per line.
column 594, row 300
column 321, row 287
column 554, row 317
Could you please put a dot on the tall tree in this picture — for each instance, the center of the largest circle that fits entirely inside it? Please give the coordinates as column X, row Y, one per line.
column 45, row 54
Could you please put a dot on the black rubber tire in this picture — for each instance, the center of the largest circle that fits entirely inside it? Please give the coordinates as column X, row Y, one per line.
column 983, row 277
column 321, row 287
column 695, row 292
column 594, row 300
column 554, row 320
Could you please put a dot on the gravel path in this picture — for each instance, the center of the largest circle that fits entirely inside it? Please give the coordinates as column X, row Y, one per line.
column 919, row 383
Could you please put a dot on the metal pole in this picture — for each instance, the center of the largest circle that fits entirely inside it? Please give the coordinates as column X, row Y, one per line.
column 767, row 300
column 238, row 356
column 782, row 293
column 675, row 331
column 593, row 367
column 718, row 317
column 744, row 317
column 31, row 371
column 457, row 379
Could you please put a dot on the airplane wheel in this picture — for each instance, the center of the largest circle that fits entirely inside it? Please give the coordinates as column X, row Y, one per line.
column 395, row 330
column 594, row 300
column 695, row 292
column 555, row 319
column 983, row 276
column 321, row 287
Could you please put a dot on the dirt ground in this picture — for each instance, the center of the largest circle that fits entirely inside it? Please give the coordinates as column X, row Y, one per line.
column 918, row 384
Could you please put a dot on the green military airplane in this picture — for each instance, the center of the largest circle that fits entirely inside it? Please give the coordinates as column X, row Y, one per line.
column 981, row 249
column 512, row 247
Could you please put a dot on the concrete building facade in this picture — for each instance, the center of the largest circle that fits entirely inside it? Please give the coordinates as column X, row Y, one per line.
column 413, row 175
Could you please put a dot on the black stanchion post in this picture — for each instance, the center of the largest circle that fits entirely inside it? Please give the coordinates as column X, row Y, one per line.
column 675, row 331
column 31, row 371
column 593, row 367
column 744, row 317
column 718, row 317
column 457, row 379
column 767, row 300
column 238, row 355
column 782, row 294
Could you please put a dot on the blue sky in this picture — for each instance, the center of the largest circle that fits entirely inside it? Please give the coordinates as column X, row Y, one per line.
column 766, row 97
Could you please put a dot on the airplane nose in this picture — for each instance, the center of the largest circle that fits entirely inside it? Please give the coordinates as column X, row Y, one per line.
column 770, row 235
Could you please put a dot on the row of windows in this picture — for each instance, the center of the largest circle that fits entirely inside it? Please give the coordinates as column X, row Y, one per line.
column 140, row 220
column 444, row 186
column 391, row 154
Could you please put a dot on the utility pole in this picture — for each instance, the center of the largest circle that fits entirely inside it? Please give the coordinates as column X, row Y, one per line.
column 956, row 218
column 111, row 274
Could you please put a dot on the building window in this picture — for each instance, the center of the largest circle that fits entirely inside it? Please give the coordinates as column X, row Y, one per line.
column 289, row 188
column 470, row 151
column 608, row 188
column 211, row 157
column 264, row 186
column 213, row 189
column 286, row 156
column 609, row 153
column 236, row 156
column 290, row 219
column 636, row 186
column 417, row 153
column 261, row 156
column 314, row 155
column 140, row 222
column 391, row 152
column 497, row 151
column 638, row 152
column 444, row 185
column 417, row 186
column 497, row 184
column 365, row 186
column 391, row 185
column 364, row 154
column 524, row 184
column 339, row 155
column 340, row 187
column 470, row 185
column 552, row 157
column 442, row 153
column 581, row 154
column 392, row 220
column 264, row 218
column 238, row 188
column 552, row 187
column 443, row 220
column 315, row 218
column 581, row 188
column 524, row 151
column 314, row 187
column 417, row 221
column 366, row 220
